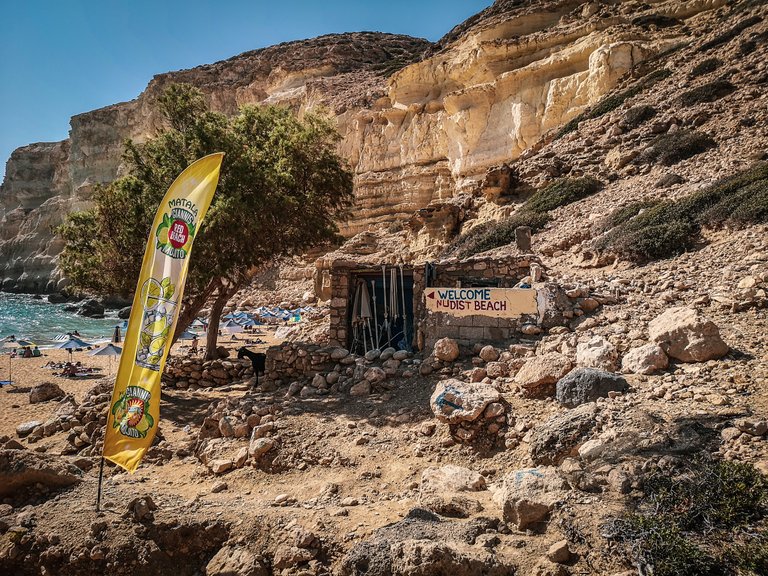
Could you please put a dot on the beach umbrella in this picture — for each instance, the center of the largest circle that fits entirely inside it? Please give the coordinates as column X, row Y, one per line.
column 72, row 344
column 405, row 313
column 187, row 335
column 14, row 343
column 231, row 327
column 9, row 344
column 375, row 313
column 108, row 350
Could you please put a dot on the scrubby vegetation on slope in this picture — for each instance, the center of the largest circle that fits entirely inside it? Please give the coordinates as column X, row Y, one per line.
column 490, row 235
column 562, row 192
column 705, row 67
column 673, row 147
column 671, row 227
column 709, row 521
column 534, row 213
column 730, row 34
column 636, row 116
column 709, row 92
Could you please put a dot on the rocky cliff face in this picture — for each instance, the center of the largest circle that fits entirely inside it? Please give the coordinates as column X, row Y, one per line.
column 429, row 131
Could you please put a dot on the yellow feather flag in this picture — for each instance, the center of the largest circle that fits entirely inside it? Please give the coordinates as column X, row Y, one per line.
column 134, row 411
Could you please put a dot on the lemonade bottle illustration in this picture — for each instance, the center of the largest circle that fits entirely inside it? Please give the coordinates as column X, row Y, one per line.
column 159, row 310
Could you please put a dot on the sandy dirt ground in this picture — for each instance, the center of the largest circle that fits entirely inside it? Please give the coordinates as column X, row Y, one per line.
column 29, row 372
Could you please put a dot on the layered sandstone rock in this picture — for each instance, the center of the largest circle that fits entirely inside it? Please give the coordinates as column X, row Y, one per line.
column 420, row 123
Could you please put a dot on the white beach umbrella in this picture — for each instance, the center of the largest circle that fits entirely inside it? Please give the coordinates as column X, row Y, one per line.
column 108, row 350
column 231, row 327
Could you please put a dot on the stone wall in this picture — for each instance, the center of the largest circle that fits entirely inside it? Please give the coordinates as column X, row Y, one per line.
column 297, row 361
column 195, row 373
column 309, row 370
column 468, row 330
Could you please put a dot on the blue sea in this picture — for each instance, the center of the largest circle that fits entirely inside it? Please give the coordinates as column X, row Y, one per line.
column 41, row 322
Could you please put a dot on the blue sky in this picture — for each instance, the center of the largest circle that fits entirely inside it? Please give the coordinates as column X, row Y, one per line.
column 59, row 58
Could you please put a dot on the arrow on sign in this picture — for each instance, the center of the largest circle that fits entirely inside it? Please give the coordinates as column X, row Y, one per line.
column 431, row 295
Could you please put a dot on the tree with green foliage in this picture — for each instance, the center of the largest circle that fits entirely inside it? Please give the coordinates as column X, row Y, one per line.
column 281, row 191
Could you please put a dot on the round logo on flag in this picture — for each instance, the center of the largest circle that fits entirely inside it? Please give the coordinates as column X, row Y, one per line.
column 175, row 233
column 178, row 234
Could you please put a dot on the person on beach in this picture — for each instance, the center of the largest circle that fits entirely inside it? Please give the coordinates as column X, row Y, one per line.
column 27, row 352
column 36, row 352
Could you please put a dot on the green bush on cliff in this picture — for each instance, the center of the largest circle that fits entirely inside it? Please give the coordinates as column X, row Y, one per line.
column 730, row 34
column 636, row 116
column 705, row 67
column 708, row 520
column 490, row 235
column 626, row 213
column 673, row 147
column 561, row 192
column 668, row 228
column 709, row 92
column 534, row 213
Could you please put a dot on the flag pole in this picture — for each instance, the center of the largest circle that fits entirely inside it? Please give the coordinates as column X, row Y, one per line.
column 98, row 490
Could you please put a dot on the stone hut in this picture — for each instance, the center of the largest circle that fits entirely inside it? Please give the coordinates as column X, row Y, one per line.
column 418, row 328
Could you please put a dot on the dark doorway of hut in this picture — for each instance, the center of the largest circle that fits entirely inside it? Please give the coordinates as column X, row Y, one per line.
column 381, row 309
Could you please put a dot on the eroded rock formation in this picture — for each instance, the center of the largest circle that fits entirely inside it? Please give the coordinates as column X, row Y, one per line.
column 450, row 111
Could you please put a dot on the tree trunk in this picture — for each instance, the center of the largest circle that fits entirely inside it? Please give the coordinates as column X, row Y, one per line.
column 222, row 297
column 191, row 308
column 213, row 326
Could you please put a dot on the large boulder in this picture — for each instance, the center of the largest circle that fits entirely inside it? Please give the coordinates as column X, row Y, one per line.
column 686, row 335
column 454, row 401
column 446, row 349
column 560, row 436
column 582, row 385
column 539, row 374
column 91, row 308
column 597, row 352
column 528, row 496
column 45, row 391
column 645, row 359
column 124, row 313
column 20, row 468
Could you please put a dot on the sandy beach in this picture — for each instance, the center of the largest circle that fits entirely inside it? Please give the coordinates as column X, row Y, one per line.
column 29, row 372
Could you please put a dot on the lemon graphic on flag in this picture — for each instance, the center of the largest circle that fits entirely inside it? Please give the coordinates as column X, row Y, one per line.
column 151, row 293
column 159, row 306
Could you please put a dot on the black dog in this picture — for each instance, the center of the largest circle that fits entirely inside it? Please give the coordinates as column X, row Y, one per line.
column 258, row 361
